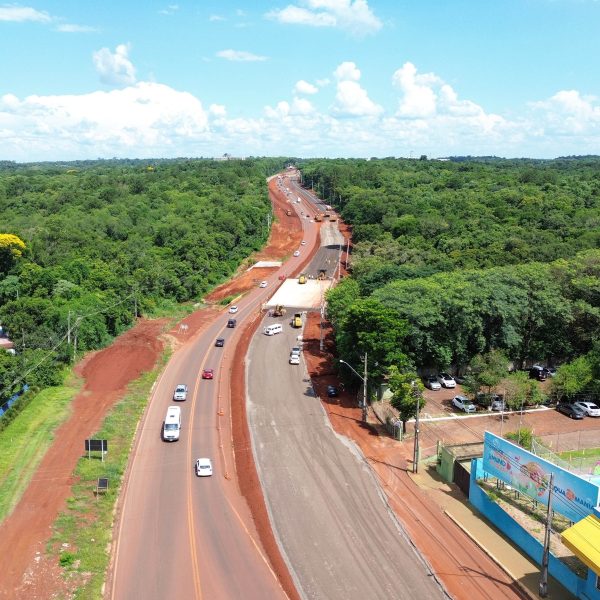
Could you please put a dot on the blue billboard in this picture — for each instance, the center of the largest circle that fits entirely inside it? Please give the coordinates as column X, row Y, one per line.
column 573, row 497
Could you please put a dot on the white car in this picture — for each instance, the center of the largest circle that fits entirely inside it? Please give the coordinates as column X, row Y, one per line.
column 180, row 392
column 446, row 380
column 294, row 359
column 589, row 408
column 432, row 383
column 204, row 467
column 303, row 243
column 233, row 309
column 297, row 253
column 295, row 351
column 262, row 284
column 463, row 404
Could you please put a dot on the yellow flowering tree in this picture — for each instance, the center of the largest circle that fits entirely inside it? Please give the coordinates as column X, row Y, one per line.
column 11, row 248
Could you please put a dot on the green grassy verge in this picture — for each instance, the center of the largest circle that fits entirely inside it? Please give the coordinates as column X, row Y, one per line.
column 86, row 525
column 588, row 453
column 26, row 439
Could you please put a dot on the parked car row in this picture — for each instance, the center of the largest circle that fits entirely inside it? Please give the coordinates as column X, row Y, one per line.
column 578, row 410
column 437, row 382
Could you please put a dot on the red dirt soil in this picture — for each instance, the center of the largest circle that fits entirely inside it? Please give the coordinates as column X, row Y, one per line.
column 23, row 534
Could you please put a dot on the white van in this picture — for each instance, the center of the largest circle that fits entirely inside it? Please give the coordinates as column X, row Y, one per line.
column 273, row 329
column 172, row 424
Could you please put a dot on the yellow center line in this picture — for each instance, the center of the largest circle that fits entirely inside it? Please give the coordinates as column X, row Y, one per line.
column 191, row 522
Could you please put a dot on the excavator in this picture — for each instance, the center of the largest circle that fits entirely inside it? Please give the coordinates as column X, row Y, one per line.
column 322, row 274
column 302, row 278
column 279, row 311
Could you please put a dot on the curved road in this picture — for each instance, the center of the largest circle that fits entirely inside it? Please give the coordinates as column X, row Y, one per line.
column 178, row 535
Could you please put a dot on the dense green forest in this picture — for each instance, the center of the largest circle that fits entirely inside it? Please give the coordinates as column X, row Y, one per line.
column 471, row 256
column 105, row 239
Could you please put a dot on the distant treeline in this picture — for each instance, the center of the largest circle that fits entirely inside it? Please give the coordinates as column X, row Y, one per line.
column 471, row 255
column 103, row 239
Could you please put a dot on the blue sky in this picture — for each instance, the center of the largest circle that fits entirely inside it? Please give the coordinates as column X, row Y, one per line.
column 330, row 78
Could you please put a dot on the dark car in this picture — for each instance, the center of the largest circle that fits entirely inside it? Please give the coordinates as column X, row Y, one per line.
column 571, row 411
column 220, row 342
column 332, row 391
column 537, row 372
column 231, row 323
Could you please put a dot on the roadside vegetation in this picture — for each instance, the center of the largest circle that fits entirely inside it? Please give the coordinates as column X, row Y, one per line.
column 469, row 257
column 24, row 441
column 86, row 247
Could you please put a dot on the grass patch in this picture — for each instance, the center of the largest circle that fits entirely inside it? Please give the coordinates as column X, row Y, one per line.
column 590, row 453
column 86, row 524
column 24, row 441
column 170, row 310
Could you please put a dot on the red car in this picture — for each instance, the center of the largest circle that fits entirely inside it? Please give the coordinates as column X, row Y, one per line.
column 207, row 374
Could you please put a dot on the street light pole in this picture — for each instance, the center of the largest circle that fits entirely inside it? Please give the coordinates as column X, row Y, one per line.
column 543, row 588
column 363, row 404
column 416, row 447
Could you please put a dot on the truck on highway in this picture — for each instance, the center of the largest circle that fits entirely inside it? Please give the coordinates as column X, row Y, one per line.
column 297, row 320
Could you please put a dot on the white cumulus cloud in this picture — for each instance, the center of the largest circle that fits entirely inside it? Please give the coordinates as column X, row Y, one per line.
column 351, row 98
column 144, row 119
column 217, row 110
column 303, row 87
column 114, row 68
column 20, row 14
column 240, row 56
column 354, row 16
column 569, row 113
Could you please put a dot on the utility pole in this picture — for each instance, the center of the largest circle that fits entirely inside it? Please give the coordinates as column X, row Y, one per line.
column 416, row 446
column 69, row 328
column 321, row 342
column 364, row 406
column 77, row 321
column 546, row 556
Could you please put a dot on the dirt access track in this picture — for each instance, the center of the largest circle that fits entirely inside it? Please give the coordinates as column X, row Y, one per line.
column 27, row 572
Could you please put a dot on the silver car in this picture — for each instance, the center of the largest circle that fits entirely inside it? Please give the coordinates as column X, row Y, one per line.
column 180, row 392
column 464, row 404
column 589, row 408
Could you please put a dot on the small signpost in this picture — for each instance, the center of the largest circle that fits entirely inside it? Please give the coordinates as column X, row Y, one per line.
column 96, row 446
column 102, row 485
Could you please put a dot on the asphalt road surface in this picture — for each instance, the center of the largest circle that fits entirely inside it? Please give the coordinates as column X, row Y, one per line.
column 178, row 535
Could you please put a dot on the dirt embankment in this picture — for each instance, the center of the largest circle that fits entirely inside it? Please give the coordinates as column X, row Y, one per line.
column 286, row 235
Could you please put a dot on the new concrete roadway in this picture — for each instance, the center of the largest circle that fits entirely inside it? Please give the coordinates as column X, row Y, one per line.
column 339, row 537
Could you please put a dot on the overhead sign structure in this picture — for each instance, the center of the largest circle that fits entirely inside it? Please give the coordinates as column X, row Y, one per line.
column 573, row 497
